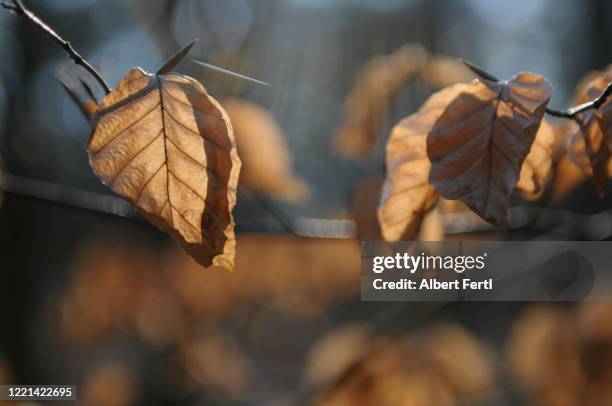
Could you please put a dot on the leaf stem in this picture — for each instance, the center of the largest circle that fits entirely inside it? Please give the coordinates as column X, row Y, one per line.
column 18, row 8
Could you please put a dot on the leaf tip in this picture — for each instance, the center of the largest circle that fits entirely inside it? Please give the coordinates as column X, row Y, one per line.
column 480, row 72
column 176, row 58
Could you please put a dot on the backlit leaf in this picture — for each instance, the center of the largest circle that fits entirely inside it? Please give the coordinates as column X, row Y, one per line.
column 588, row 150
column 478, row 144
column 536, row 169
column 167, row 146
column 591, row 138
column 407, row 194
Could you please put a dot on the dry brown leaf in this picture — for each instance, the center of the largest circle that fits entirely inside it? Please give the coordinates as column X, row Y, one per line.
column 407, row 194
column 167, row 146
column 442, row 71
column 266, row 159
column 367, row 105
column 478, row 144
column 426, row 368
column 588, row 150
column 450, row 348
column 567, row 177
column 432, row 225
column 536, row 170
column 591, row 140
column 561, row 355
column 588, row 80
column 365, row 200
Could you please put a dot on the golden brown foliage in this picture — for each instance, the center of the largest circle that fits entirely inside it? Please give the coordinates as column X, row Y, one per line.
column 591, row 138
column 109, row 375
column 427, row 369
column 479, row 141
column 367, row 105
column 155, row 296
column 163, row 143
column 407, row 194
column 536, row 170
column 336, row 352
column 442, row 71
column 266, row 159
column 562, row 356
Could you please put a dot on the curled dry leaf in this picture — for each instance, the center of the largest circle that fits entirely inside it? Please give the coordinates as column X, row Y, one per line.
column 266, row 159
column 591, row 138
column 167, row 146
column 588, row 150
column 536, row 170
column 432, row 225
column 407, row 194
column 442, row 71
column 367, row 105
column 567, row 176
column 588, row 80
column 479, row 142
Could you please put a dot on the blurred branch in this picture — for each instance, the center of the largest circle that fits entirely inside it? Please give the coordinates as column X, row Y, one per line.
column 66, row 195
column 596, row 226
column 276, row 212
column 18, row 8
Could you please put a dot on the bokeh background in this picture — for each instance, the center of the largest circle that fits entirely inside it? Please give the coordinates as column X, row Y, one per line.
column 107, row 302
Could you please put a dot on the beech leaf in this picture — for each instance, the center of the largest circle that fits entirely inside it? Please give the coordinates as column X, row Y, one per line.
column 175, row 59
column 407, row 195
column 267, row 164
column 367, row 106
column 479, row 142
column 591, row 138
column 536, row 169
column 163, row 143
column 588, row 150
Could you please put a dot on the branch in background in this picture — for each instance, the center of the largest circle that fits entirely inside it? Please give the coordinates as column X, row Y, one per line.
column 596, row 227
column 278, row 214
column 568, row 113
column 67, row 195
column 18, row 8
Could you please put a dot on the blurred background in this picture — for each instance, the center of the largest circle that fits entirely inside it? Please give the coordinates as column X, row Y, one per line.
column 92, row 295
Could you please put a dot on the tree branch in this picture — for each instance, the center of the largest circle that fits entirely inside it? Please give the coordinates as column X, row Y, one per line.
column 593, row 104
column 18, row 8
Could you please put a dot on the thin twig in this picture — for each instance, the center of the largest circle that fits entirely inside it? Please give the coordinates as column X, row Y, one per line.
column 18, row 8
column 592, row 105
